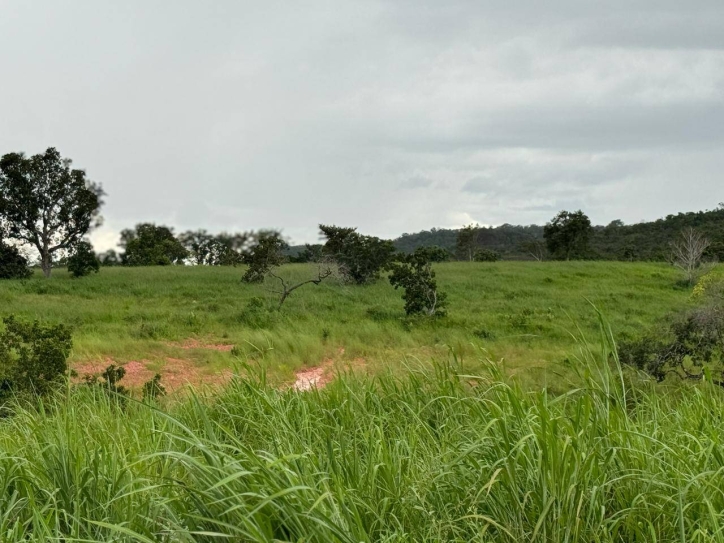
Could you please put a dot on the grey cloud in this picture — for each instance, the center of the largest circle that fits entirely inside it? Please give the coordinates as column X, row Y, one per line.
column 389, row 116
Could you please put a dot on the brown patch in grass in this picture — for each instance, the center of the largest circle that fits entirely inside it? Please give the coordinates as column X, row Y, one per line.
column 193, row 343
column 175, row 373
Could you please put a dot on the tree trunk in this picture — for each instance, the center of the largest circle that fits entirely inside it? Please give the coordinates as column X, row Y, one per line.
column 45, row 262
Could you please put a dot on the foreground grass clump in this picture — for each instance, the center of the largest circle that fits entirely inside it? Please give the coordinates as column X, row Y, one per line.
column 436, row 455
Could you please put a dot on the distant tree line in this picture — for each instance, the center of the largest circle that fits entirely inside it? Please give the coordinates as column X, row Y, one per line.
column 646, row 241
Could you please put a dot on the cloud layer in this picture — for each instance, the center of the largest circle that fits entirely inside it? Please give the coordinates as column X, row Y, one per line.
column 390, row 116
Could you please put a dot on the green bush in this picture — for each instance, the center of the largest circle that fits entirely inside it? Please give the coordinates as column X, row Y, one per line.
column 33, row 356
column 13, row 265
column 83, row 261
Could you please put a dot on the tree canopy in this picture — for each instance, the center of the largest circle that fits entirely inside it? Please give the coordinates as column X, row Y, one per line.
column 151, row 245
column 567, row 235
column 45, row 203
column 360, row 258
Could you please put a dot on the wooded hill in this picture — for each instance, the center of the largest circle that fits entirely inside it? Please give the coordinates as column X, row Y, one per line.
column 615, row 241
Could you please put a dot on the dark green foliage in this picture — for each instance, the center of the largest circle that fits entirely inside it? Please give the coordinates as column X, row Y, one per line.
column 415, row 275
column 689, row 347
column 109, row 380
column 151, row 245
column 83, row 261
column 45, row 203
column 32, row 356
column 265, row 254
column 567, row 235
column 648, row 241
column 437, row 254
column 360, row 258
column 467, row 241
column 486, row 255
column 153, row 389
column 205, row 249
column 13, row 265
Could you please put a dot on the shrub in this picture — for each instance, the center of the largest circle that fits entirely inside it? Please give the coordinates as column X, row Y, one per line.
column 262, row 257
column 13, row 265
column 486, row 255
column 83, row 261
column 691, row 346
column 153, row 389
column 33, row 356
column 414, row 274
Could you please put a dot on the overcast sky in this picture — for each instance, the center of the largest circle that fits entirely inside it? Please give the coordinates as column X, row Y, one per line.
column 391, row 116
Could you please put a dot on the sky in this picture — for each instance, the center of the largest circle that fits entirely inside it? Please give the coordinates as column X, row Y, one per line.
column 392, row 116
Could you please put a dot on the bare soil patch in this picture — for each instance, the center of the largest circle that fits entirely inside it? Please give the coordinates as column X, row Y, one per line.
column 193, row 343
column 175, row 373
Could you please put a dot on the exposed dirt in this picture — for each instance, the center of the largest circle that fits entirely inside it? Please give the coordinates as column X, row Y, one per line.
column 192, row 343
column 175, row 373
column 310, row 378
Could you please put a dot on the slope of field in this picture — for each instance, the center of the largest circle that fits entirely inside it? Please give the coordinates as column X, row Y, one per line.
column 195, row 323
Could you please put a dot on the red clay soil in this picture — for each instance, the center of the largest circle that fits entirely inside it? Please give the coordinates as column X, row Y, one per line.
column 192, row 343
column 175, row 373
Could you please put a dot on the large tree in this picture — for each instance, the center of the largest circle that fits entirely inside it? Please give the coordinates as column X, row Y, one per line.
column 151, row 245
column 467, row 241
column 360, row 258
column 568, row 234
column 45, row 203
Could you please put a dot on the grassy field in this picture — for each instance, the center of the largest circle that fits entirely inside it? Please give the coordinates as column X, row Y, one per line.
column 454, row 448
column 169, row 319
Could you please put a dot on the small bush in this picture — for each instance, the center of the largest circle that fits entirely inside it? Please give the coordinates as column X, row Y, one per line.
column 13, row 265
column 83, row 261
column 414, row 274
column 33, row 356
column 153, row 389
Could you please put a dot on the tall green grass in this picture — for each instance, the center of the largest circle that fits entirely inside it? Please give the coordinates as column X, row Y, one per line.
column 435, row 455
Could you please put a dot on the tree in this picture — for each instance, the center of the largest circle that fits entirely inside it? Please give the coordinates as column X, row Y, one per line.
column 534, row 247
column 467, row 241
column 83, row 261
column 360, row 259
column 288, row 287
column 45, row 203
column 151, row 245
column 264, row 255
column 13, row 265
column 199, row 245
column 687, row 252
column 568, row 234
column 414, row 274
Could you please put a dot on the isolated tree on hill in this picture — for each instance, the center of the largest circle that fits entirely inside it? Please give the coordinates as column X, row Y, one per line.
column 360, row 259
column 467, row 241
column 13, row 265
column 264, row 255
column 151, row 245
column 568, row 234
column 45, row 203
column 687, row 252
column 83, row 261
column 414, row 274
